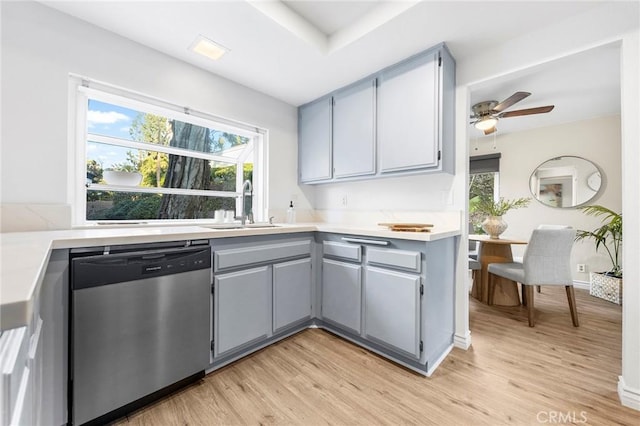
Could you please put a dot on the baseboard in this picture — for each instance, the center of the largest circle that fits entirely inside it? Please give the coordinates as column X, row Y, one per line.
column 628, row 397
column 462, row 342
column 581, row 284
column 438, row 361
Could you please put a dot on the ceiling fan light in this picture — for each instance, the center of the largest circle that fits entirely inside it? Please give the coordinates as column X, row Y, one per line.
column 486, row 123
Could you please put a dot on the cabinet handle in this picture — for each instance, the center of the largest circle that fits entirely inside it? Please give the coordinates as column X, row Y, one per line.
column 365, row 241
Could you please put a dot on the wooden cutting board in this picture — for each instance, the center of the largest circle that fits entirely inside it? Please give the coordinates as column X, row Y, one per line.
column 408, row 227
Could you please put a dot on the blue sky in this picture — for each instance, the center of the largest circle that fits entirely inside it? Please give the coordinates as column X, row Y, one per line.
column 109, row 120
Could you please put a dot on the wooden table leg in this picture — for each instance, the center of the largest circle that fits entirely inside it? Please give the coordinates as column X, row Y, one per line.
column 506, row 291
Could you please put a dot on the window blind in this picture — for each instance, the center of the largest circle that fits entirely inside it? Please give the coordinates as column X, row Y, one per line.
column 484, row 163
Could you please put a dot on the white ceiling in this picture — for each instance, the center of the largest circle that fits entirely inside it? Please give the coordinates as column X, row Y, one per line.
column 297, row 51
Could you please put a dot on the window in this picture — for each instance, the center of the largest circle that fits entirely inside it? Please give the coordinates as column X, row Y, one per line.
column 140, row 159
column 483, row 183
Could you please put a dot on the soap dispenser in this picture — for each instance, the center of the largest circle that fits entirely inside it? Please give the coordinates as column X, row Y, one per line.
column 291, row 213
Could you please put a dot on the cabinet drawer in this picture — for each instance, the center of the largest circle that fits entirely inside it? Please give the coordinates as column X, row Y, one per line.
column 341, row 250
column 233, row 258
column 403, row 259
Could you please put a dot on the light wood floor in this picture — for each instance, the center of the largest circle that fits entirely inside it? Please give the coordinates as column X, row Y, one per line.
column 550, row 374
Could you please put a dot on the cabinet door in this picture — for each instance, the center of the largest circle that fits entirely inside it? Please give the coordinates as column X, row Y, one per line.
column 392, row 309
column 14, row 347
column 291, row 293
column 408, row 115
column 314, row 141
column 341, row 293
column 242, row 311
column 23, row 410
column 354, row 130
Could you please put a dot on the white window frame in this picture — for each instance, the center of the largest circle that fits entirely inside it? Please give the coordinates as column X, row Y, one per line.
column 83, row 89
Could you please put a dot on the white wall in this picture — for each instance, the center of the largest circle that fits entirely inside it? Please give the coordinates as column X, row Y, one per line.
column 597, row 140
column 407, row 193
column 40, row 47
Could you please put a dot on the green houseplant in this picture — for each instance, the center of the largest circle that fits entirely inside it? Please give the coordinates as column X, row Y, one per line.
column 499, row 208
column 494, row 224
column 608, row 235
column 606, row 285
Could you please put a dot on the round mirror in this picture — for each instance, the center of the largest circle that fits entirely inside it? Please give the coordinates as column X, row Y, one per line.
column 565, row 181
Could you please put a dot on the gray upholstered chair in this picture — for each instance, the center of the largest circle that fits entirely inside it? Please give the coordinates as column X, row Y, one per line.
column 474, row 247
column 546, row 262
column 474, row 255
column 474, row 265
column 551, row 227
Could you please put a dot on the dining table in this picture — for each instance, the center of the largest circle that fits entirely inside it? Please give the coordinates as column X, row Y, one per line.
column 495, row 250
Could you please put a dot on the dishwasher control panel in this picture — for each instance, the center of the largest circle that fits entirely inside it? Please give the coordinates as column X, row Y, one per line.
column 111, row 268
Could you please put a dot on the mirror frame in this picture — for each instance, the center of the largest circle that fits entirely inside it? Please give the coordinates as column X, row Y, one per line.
column 596, row 194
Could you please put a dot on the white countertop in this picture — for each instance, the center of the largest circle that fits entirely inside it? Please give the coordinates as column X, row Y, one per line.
column 24, row 255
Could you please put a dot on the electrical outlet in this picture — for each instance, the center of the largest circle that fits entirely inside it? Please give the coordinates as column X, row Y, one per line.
column 343, row 201
column 582, row 267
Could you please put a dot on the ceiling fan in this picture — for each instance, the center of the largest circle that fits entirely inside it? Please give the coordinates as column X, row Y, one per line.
column 487, row 113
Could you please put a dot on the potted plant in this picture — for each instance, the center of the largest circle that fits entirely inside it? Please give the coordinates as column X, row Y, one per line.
column 607, row 285
column 494, row 224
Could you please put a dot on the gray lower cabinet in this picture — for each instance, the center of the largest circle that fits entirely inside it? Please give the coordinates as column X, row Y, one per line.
column 392, row 296
column 241, row 308
column 262, row 292
column 341, row 293
column 392, row 309
column 291, row 293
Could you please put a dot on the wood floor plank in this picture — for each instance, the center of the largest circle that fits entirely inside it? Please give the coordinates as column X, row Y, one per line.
column 512, row 374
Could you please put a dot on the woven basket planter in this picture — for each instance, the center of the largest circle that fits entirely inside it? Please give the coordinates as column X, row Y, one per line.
column 606, row 287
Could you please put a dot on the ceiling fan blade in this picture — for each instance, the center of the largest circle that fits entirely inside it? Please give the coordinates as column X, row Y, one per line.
column 528, row 111
column 516, row 97
column 491, row 130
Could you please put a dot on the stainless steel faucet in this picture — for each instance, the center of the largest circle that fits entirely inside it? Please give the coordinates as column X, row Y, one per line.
column 247, row 188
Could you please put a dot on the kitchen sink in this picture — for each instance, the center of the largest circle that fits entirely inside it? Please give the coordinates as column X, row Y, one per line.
column 223, row 226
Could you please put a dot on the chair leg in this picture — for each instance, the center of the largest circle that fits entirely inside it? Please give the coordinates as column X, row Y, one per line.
column 539, row 289
column 529, row 295
column 524, row 295
column 571, row 297
column 491, row 285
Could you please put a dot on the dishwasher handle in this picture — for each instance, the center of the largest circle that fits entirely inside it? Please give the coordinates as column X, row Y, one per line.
column 153, row 256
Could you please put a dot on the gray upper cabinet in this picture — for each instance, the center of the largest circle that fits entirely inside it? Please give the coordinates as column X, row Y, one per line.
column 397, row 121
column 314, row 141
column 354, row 130
column 408, row 115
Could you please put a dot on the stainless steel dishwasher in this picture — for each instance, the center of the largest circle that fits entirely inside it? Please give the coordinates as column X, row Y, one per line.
column 139, row 325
